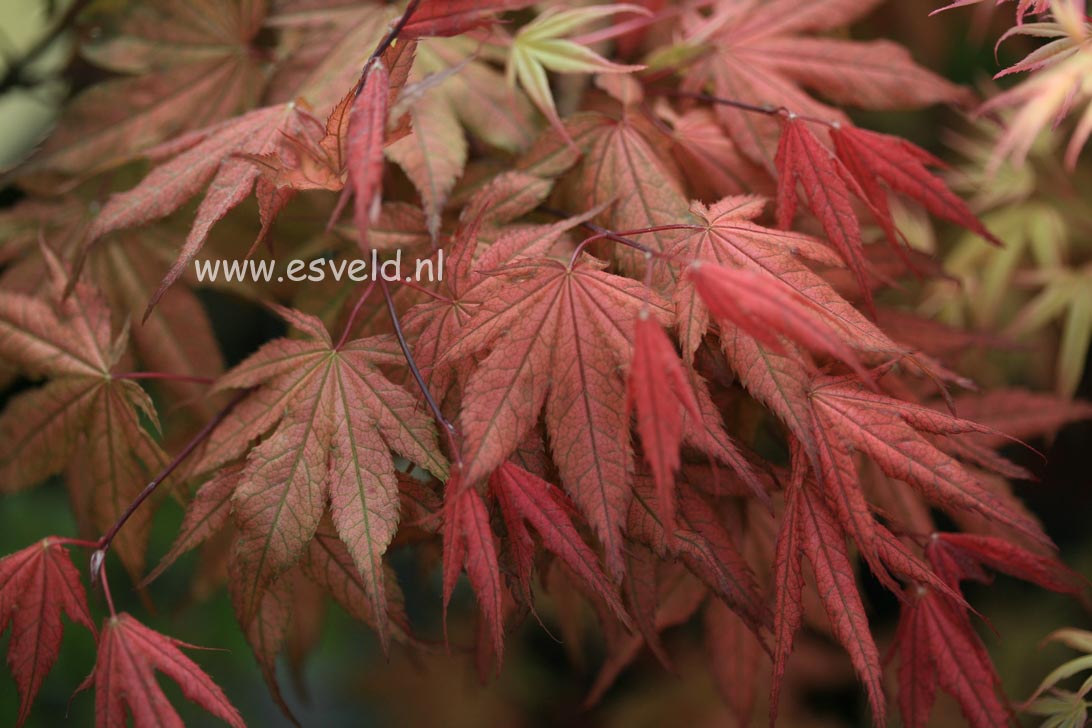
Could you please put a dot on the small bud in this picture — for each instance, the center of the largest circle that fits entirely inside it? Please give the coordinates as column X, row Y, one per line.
column 96, row 565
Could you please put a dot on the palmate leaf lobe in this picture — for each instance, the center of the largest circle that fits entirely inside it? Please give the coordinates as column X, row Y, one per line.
column 890, row 431
column 872, row 157
column 127, row 268
column 469, row 543
column 364, row 148
column 829, row 189
column 822, row 541
column 454, row 17
column 525, row 498
column 659, row 390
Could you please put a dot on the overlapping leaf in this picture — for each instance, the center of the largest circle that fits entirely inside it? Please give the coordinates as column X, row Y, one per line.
column 625, row 163
column 704, row 546
column 890, row 432
column 541, row 45
column 760, row 56
column 127, row 268
column 469, row 544
column 728, row 236
column 872, row 157
column 558, row 339
column 939, row 648
column 659, row 390
column 452, row 17
column 827, row 186
column 820, row 538
column 525, row 499
column 337, row 420
column 83, row 418
column 209, row 158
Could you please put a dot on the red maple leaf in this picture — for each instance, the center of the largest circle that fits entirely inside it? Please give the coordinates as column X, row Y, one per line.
column 872, row 158
column 335, row 420
column 125, row 683
column 452, row 17
column 364, row 148
column 939, row 648
column 817, row 535
column 891, row 433
column 524, row 498
column 84, row 418
column 538, row 316
column 37, row 585
column 729, row 236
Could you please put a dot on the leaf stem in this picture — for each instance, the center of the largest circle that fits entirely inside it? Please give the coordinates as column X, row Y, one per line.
column 80, row 542
column 100, row 576
column 201, row 436
column 165, row 375
column 445, row 424
column 353, row 314
column 431, row 294
column 767, row 109
column 602, row 233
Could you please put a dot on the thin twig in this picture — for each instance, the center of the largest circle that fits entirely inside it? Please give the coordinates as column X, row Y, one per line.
column 445, row 424
column 767, row 109
column 201, row 436
column 384, row 44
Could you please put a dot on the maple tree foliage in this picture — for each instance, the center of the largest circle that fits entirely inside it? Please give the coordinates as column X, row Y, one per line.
column 662, row 374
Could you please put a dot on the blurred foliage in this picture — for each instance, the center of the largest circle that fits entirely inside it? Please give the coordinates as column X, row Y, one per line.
column 1037, row 289
column 1062, row 708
